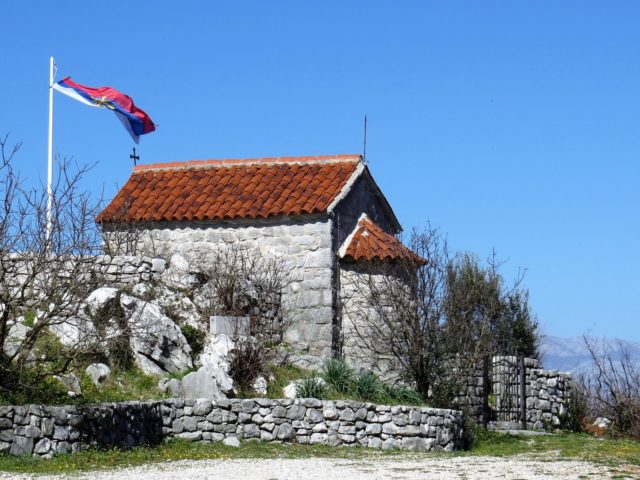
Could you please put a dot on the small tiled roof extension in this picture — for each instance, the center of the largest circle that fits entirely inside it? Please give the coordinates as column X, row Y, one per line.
column 369, row 242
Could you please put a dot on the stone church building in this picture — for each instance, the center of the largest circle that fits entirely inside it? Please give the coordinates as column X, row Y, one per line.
column 320, row 215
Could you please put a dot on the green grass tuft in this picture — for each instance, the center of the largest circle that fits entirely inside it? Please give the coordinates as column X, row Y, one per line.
column 338, row 375
column 312, row 388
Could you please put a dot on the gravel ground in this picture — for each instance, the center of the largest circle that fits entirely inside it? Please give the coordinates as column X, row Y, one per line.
column 436, row 468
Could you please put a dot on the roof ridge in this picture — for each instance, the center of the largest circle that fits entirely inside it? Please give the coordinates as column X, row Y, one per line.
column 236, row 162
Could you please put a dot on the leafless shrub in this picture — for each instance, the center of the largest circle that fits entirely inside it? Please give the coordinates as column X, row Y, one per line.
column 243, row 282
column 126, row 237
column 43, row 277
column 614, row 388
column 433, row 321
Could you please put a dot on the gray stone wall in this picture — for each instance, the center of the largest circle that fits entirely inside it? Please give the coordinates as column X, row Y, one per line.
column 547, row 394
column 129, row 269
column 547, row 397
column 302, row 243
column 44, row 431
column 360, row 347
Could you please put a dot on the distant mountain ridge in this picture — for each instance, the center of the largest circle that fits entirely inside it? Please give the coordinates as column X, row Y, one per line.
column 571, row 354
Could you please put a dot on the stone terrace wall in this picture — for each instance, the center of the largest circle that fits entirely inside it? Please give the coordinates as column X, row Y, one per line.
column 547, row 393
column 44, row 431
column 129, row 269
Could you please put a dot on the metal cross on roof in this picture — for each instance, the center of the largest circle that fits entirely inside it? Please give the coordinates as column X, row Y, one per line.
column 134, row 157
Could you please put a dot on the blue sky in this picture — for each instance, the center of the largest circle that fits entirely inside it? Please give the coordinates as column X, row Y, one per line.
column 511, row 125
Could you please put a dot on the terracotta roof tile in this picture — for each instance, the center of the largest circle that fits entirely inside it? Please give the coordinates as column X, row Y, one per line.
column 217, row 189
column 369, row 241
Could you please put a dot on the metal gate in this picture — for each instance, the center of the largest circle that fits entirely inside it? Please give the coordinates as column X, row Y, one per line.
column 505, row 392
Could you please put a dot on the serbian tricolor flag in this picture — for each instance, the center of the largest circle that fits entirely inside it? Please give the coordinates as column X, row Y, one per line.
column 134, row 120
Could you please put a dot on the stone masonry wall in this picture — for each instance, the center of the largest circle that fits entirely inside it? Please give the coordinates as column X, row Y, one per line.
column 129, row 269
column 546, row 394
column 44, row 431
column 304, row 246
column 359, row 348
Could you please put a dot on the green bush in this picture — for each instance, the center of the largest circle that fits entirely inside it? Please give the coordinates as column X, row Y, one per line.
column 338, row 375
column 195, row 338
column 311, row 388
column 367, row 387
column 28, row 386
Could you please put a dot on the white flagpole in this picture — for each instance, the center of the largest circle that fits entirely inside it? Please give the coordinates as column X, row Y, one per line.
column 50, row 157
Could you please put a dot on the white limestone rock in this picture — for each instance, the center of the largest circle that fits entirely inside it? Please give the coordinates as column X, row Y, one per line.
column 100, row 298
column 74, row 331
column 142, row 290
column 231, row 442
column 215, row 357
column 157, row 342
column 260, row 385
column 172, row 386
column 291, row 390
column 602, row 422
column 71, row 382
column 177, row 306
column 17, row 334
column 201, row 384
column 98, row 372
column 180, row 274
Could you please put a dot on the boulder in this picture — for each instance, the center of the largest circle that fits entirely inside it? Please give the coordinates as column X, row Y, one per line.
column 602, row 422
column 142, row 290
column 71, row 382
column 291, row 390
column 201, row 384
column 180, row 274
column 98, row 372
column 260, row 385
column 100, row 299
column 231, row 442
column 172, row 386
column 177, row 306
column 17, row 334
column 157, row 342
column 74, row 331
column 215, row 357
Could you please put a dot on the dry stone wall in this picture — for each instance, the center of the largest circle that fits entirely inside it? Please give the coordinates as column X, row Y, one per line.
column 45, row 431
column 547, row 394
column 547, row 397
column 128, row 269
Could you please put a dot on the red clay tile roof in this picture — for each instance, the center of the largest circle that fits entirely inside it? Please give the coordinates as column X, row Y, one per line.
column 232, row 188
column 370, row 242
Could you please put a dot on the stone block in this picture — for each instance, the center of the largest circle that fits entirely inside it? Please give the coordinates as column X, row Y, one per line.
column 391, row 444
column 285, row 432
column 21, row 446
column 191, row 436
column 251, row 431
column 373, row 429
column 296, row 412
column 414, row 444
column 390, row 428
column 61, row 433
column 347, row 415
column 42, row 447
column 227, row 325
column 202, row 407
